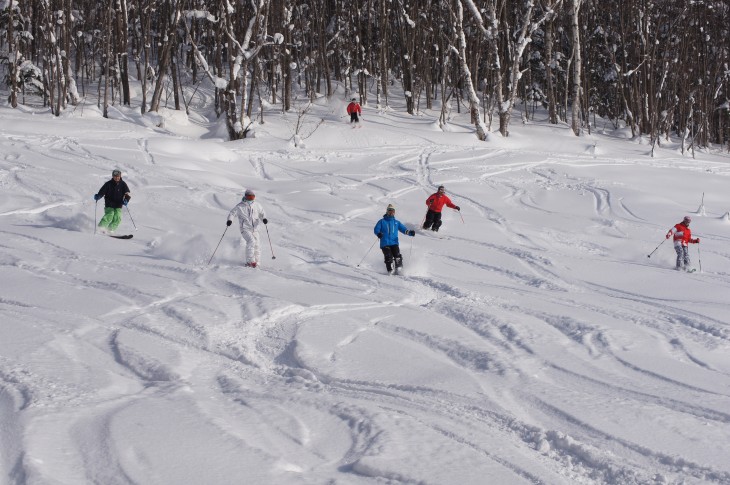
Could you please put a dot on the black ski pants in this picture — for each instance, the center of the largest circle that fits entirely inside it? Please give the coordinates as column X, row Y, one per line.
column 433, row 220
column 392, row 253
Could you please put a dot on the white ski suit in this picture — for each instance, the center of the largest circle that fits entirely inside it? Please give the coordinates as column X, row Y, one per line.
column 250, row 214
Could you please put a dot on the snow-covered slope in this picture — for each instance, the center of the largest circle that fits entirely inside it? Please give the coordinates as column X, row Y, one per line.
column 530, row 341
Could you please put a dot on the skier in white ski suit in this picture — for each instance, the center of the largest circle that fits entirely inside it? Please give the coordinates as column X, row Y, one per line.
column 249, row 214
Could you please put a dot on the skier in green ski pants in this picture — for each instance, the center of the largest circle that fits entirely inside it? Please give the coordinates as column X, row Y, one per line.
column 116, row 194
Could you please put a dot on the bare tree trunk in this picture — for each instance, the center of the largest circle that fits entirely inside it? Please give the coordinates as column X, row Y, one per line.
column 144, row 20
column 577, row 68
column 384, row 47
column 285, row 58
column 12, row 59
column 170, row 25
column 122, row 46
column 551, row 98
column 71, row 93
column 474, row 101
column 108, row 60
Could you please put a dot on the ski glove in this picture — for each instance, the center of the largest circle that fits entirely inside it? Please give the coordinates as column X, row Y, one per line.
column 125, row 201
column 97, row 196
column 380, row 235
column 265, row 220
column 669, row 234
column 411, row 233
column 458, row 208
column 228, row 223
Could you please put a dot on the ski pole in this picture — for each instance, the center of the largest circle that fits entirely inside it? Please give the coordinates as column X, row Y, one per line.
column 272, row 247
column 462, row 217
column 216, row 248
column 130, row 216
column 366, row 254
column 649, row 255
column 96, row 204
column 699, row 255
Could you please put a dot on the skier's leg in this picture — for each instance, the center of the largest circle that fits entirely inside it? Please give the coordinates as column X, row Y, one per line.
column 107, row 218
column 116, row 219
column 680, row 255
column 257, row 247
column 397, row 256
column 429, row 219
column 436, row 221
column 388, row 258
column 250, row 249
column 685, row 256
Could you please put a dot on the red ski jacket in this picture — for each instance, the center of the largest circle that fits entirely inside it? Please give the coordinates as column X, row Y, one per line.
column 354, row 108
column 682, row 235
column 437, row 201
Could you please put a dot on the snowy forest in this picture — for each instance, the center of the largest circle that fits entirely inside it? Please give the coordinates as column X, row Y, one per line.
column 660, row 68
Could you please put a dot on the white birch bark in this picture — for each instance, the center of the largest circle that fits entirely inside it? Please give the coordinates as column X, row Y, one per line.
column 577, row 68
column 474, row 101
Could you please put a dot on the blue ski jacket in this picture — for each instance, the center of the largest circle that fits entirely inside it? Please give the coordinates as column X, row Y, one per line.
column 389, row 227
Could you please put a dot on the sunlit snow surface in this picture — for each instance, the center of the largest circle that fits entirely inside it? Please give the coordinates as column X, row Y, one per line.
column 531, row 342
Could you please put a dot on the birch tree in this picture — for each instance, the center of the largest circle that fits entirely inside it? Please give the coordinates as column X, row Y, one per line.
column 577, row 67
column 474, row 101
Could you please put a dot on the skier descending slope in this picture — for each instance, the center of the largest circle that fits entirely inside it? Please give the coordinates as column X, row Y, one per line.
column 115, row 193
column 387, row 231
column 435, row 204
column 353, row 109
column 249, row 214
column 682, row 239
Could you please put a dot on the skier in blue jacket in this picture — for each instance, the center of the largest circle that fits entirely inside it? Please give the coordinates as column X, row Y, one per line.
column 387, row 231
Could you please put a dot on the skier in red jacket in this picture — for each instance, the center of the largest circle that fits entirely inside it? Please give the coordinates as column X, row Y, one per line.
column 435, row 203
column 682, row 238
column 353, row 109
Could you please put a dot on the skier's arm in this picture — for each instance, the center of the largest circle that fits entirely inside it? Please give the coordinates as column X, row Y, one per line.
column 102, row 192
column 450, row 204
column 377, row 229
column 232, row 213
column 429, row 201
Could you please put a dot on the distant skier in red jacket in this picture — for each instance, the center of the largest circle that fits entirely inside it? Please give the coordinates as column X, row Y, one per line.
column 435, row 203
column 682, row 238
column 353, row 109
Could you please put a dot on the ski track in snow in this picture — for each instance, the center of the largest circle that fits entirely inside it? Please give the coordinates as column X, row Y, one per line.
column 222, row 346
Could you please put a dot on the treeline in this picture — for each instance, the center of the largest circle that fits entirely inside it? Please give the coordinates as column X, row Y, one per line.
column 661, row 67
